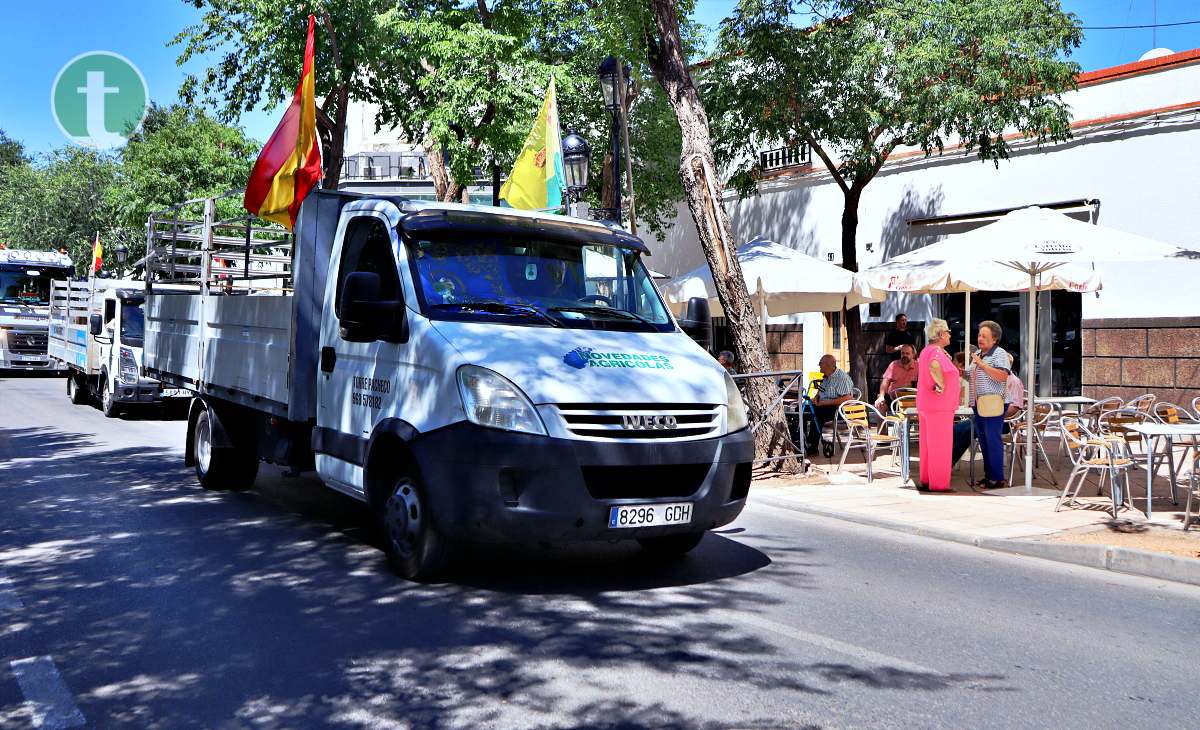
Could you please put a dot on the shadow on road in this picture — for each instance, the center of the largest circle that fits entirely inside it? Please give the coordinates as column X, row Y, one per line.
column 167, row 606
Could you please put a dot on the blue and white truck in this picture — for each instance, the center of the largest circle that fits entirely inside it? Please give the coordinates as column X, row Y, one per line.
column 25, row 278
column 472, row 373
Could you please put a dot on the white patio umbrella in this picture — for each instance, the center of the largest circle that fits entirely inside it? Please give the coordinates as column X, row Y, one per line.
column 781, row 281
column 1041, row 245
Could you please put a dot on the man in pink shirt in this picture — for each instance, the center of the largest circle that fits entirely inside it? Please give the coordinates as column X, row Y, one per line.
column 900, row 373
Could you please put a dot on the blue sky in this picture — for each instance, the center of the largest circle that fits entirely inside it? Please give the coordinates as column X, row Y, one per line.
column 36, row 40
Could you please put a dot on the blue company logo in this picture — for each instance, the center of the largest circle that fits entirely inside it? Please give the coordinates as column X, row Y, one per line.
column 578, row 358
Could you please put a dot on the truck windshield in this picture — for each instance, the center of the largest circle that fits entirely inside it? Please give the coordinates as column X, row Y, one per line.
column 133, row 324
column 537, row 283
column 28, row 284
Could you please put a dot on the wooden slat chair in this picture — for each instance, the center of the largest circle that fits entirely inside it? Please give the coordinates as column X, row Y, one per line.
column 1091, row 414
column 1143, row 403
column 1044, row 417
column 1092, row 454
column 1196, row 406
column 867, row 429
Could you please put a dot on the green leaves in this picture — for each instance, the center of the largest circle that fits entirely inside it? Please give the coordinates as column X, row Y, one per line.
column 859, row 78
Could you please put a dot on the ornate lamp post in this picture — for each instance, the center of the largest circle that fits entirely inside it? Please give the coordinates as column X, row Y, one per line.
column 614, row 83
column 122, row 253
column 577, row 156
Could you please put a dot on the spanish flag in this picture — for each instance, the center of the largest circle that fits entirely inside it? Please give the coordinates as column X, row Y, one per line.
column 97, row 254
column 537, row 178
column 290, row 163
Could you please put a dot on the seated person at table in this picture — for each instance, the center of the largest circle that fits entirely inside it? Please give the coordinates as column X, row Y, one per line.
column 834, row 390
column 900, row 373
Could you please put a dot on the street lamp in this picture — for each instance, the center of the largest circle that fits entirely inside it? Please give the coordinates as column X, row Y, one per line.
column 577, row 155
column 614, row 83
column 122, row 252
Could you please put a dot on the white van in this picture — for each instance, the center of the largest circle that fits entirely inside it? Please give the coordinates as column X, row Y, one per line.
column 472, row 373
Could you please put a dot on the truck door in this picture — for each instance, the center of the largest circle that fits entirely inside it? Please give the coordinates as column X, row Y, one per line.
column 357, row 380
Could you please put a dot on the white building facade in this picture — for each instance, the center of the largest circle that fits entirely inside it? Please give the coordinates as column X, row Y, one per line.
column 1133, row 164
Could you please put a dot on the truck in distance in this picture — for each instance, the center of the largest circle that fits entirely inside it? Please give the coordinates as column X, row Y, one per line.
column 96, row 335
column 471, row 373
column 25, row 278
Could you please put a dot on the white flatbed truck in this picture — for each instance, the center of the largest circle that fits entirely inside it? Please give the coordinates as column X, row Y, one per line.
column 25, row 278
column 96, row 335
column 471, row 373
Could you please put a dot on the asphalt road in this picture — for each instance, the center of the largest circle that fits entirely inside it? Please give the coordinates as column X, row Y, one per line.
column 131, row 598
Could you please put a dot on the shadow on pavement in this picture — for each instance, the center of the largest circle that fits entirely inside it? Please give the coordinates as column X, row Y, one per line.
column 167, row 606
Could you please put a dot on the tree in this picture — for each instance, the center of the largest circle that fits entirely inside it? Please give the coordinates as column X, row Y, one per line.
column 262, row 52
column 61, row 203
column 12, row 152
column 658, row 32
column 870, row 77
column 180, row 153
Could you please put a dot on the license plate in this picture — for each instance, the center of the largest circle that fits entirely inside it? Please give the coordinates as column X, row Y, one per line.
column 650, row 515
column 175, row 392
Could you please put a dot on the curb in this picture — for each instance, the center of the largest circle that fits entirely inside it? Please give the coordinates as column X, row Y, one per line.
column 1102, row 557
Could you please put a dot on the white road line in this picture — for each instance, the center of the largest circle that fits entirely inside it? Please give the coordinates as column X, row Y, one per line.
column 9, row 600
column 53, row 706
column 873, row 658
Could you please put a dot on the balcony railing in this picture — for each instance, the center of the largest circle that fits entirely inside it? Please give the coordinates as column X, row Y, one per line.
column 385, row 167
column 784, row 157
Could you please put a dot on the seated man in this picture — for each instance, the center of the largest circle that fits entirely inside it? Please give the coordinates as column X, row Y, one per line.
column 900, row 373
column 834, row 390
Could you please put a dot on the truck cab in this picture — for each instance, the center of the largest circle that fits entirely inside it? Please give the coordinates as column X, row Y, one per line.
column 533, row 375
column 25, row 278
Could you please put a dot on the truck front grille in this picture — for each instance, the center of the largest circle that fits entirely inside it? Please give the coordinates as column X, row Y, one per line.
column 641, row 421
column 644, row 482
column 26, row 343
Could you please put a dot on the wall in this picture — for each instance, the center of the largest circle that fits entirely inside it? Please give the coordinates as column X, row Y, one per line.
column 1131, row 357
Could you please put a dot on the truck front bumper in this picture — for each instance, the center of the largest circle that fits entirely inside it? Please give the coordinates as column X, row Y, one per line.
column 501, row 486
column 31, row 363
column 143, row 391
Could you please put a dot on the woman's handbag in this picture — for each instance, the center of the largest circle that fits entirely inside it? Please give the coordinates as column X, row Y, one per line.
column 990, row 405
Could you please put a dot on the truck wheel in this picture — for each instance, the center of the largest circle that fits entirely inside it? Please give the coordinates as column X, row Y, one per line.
column 108, row 400
column 221, row 468
column 415, row 549
column 78, row 395
column 671, row 546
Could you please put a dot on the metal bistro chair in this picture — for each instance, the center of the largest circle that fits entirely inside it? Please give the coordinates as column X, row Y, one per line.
column 861, row 433
column 1196, row 406
column 1091, row 414
column 1092, row 454
column 1116, row 423
column 1043, row 418
column 1143, row 403
column 1193, row 491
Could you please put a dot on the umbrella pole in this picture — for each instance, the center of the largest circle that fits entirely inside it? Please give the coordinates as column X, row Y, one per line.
column 1030, row 353
column 967, row 326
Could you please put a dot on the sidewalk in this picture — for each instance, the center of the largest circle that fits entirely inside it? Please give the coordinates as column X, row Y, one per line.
column 1008, row 520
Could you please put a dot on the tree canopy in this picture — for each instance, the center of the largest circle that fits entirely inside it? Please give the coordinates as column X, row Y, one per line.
column 12, row 152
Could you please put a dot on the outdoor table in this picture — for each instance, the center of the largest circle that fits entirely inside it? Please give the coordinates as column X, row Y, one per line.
column 911, row 413
column 1078, row 401
column 1153, row 432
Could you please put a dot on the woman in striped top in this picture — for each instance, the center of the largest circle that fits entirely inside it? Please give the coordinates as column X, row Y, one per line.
column 988, row 375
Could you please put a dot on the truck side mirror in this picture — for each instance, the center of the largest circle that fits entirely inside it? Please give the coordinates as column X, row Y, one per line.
column 95, row 324
column 358, row 310
column 697, row 322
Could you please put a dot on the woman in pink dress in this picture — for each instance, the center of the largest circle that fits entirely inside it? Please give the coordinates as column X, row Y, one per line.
column 937, row 398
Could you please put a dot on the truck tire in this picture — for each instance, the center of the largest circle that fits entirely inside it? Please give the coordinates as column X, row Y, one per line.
column 217, row 468
column 78, row 395
column 108, row 399
column 671, row 546
column 414, row 547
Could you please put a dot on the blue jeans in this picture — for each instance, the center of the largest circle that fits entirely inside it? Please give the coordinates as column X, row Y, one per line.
column 988, row 432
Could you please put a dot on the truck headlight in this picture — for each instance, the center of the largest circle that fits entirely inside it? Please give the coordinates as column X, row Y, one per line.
column 129, row 368
column 737, row 418
column 492, row 400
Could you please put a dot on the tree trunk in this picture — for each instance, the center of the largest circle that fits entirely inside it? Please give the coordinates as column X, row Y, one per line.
column 444, row 186
column 337, row 140
column 703, row 187
column 854, row 339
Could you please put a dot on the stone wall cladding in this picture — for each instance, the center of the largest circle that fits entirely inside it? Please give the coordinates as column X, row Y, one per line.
column 1130, row 357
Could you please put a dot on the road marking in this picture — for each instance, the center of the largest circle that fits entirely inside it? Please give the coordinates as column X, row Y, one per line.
column 863, row 654
column 44, row 689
